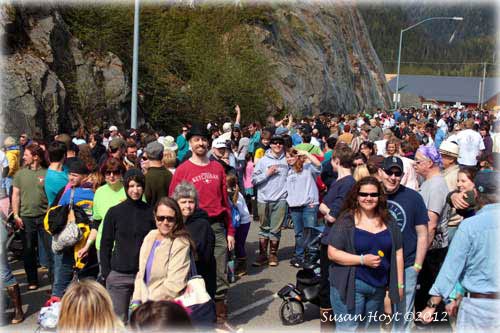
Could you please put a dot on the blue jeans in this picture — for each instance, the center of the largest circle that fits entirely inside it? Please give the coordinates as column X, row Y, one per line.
column 369, row 305
column 406, row 306
column 8, row 278
column 305, row 224
column 63, row 271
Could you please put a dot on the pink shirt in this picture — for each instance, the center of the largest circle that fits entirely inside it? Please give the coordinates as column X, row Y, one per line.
column 247, row 177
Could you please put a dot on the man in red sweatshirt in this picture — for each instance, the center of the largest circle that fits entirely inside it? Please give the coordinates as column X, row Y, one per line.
column 209, row 179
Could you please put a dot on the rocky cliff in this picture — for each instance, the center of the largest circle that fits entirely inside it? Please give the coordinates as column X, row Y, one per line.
column 321, row 56
column 49, row 85
column 324, row 59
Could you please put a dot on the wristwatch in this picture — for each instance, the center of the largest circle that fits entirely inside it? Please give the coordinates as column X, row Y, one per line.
column 431, row 305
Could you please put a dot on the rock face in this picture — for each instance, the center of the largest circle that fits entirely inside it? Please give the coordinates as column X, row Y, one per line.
column 324, row 59
column 49, row 85
column 322, row 56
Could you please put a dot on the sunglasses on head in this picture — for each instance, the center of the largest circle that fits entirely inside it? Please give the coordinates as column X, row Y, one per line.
column 397, row 173
column 169, row 219
column 366, row 194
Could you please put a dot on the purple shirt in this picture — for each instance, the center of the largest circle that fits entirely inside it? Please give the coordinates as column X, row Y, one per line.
column 149, row 264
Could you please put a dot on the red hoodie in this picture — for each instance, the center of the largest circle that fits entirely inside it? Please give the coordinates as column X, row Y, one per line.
column 210, row 182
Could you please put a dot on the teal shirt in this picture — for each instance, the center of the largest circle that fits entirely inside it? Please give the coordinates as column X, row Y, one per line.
column 54, row 182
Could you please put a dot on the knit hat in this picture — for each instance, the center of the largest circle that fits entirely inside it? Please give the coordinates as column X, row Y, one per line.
column 486, row 181
column 78, row 167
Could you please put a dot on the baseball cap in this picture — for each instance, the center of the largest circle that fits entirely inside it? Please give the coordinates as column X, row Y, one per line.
column 219, row 143
column 154, row 150
column 486, row 181
column 391, row 162
column 113, row 128
column 449, row 148
column 226, row 127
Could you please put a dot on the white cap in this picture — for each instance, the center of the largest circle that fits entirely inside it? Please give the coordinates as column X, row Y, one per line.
column 113, row 128
column 226, row 127
column 219, row 143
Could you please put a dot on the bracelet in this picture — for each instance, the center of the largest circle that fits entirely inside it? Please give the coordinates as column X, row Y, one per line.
column 401, row 286
column 362, row 260
column 417, row 266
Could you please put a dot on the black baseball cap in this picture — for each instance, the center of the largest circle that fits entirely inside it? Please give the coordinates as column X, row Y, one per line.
column 392, row 162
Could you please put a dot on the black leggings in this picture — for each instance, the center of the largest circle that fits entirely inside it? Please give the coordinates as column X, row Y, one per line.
column 324, row 293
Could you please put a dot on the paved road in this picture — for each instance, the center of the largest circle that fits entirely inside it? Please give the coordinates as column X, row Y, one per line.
column 253, row 303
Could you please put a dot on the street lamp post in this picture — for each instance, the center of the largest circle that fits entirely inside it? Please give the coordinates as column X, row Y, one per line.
column 135, row 66
column 401, row 44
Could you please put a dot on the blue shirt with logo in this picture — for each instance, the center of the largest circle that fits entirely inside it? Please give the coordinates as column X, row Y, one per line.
column 408, row 209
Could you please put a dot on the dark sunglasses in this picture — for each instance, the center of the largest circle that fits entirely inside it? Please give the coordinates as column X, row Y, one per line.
column 170, row 219
column 398, row 173
column 277, row 143
column 113, row 150
column 112, row 172
column 372, row 195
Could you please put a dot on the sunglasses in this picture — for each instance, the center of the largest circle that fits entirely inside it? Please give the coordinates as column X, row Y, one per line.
column 277, row 143
column 169, row 219
column 112, row 172
column 398, row 173
column 366, row 194
column 113, row 150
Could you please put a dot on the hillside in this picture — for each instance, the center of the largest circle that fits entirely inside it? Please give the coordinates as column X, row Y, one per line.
column 474, row 38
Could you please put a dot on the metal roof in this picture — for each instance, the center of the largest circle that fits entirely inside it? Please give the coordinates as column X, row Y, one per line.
column 446, row 88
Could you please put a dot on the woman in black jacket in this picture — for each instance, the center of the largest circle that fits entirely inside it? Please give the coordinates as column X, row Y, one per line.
column 196, row 221
column 125, row 226
column 366, row 250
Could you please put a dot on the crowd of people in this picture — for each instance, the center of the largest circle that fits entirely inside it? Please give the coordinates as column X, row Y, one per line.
column 375, row 201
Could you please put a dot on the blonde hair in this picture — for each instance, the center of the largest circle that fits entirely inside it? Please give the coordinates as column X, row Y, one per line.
column 360, row 172
column 87, row 307
column 169, row 158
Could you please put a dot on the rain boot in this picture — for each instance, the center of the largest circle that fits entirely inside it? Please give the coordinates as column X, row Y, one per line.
column 262, row 258
column 241, row 267
column 326, row 322
column 15, row 296
column 273, row 253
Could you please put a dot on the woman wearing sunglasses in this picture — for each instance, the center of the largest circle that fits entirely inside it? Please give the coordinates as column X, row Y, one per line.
column 164, row 260
column 125, row 226
column 365, row 247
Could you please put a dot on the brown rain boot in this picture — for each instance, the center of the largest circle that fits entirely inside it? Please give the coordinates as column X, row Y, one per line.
column 262, row 258
column 273, row 253
column 326, row 323
column 241, row 267
column 15, row 296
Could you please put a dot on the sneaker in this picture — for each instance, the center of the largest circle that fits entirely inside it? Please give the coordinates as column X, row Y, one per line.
column 296, row 262
column 52, row 300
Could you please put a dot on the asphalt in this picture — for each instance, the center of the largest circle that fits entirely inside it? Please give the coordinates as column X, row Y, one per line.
column 252, row 300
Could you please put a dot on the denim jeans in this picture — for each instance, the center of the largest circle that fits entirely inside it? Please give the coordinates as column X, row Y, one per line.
column 406, row 306
column 63, row 271
column 478, row 315
column 271, row 215
column 240, row 240
column 8, row 278
column 369, row 305
column 33, row 230
column 305, row 223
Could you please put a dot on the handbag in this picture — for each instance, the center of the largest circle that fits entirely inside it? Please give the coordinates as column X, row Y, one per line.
column 197, row 301
column 71, row 234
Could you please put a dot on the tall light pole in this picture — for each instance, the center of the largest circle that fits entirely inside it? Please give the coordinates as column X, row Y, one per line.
column 135, row 66
column 401, row 44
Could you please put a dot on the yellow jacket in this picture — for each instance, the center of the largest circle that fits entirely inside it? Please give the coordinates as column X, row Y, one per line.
column 13, row 157
column 169, row 272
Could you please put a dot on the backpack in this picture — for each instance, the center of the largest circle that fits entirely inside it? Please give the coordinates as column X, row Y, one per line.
column 235, row 214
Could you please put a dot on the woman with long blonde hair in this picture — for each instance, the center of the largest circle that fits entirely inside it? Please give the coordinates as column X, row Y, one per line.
column 87, row 307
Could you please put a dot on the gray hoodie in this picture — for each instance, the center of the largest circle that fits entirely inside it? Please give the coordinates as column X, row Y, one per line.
column 270, row 188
